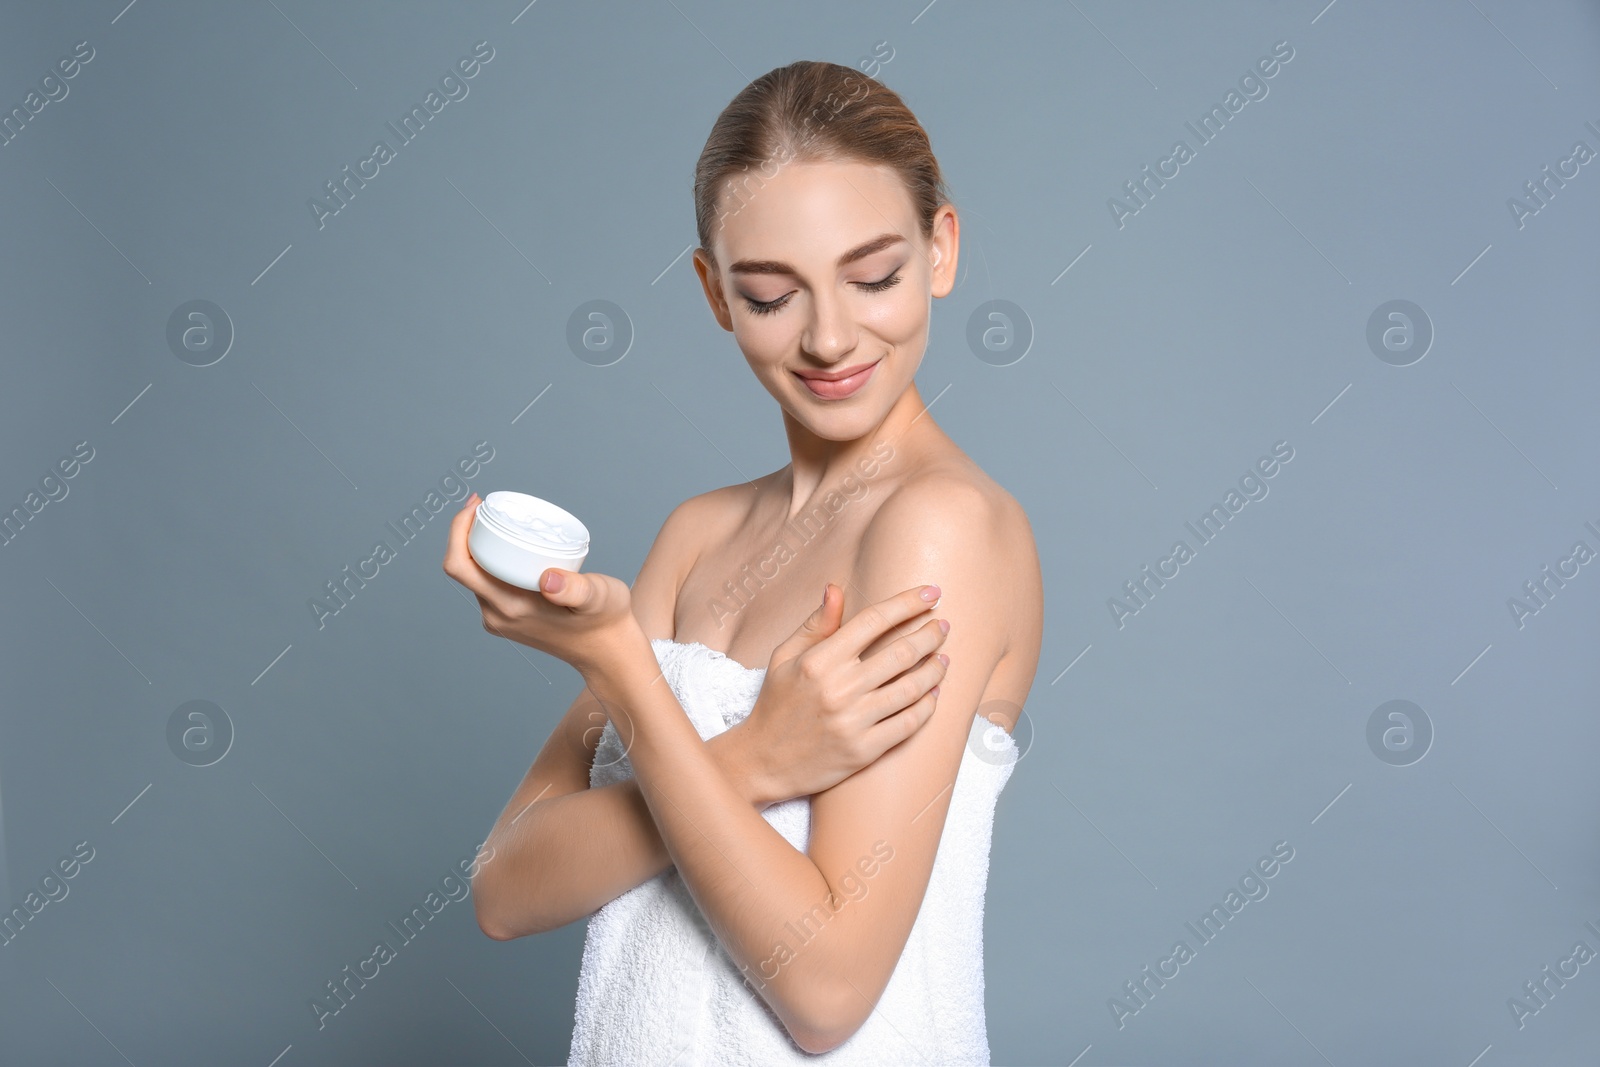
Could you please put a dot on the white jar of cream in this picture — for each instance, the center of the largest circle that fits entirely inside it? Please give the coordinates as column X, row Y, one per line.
column 517, row 537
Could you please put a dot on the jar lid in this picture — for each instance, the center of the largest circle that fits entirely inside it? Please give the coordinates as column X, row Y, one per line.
column 535, row 522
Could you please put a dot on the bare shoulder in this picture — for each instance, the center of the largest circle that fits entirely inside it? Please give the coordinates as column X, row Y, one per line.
column 684, row 533
column 954, row 514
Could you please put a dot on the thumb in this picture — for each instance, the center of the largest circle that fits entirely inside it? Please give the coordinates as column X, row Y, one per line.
column 567, row 589
column 818, row 625
column 824, row 620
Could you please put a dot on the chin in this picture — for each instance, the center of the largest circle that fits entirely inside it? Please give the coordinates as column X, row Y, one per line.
column 835, row 430
column 831, row 421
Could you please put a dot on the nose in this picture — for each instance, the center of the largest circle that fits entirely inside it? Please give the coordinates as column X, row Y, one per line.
column 830, row 332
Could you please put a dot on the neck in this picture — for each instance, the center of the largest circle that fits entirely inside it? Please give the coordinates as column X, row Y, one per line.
column 819, row 466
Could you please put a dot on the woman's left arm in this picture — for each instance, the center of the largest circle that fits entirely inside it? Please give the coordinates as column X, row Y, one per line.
column 754, row 888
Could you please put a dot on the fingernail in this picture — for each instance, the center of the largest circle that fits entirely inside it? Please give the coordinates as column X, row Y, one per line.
column 944, row 659
column 944, row 624
column 934, row 690
column 930, row 593
column 553, row 581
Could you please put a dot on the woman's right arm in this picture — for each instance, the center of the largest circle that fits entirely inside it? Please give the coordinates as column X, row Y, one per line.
column 561, row 850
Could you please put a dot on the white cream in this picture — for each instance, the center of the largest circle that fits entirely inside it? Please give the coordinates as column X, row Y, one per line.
column 536, row 521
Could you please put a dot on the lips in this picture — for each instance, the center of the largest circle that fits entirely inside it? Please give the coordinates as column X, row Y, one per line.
column 840, row 388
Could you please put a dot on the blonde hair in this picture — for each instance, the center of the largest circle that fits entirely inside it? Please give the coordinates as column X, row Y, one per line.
column 812, row 111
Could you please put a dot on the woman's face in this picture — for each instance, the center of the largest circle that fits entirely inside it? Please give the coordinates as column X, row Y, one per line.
column 824, row 275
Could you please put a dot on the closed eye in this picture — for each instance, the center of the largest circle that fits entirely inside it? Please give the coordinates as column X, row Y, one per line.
column 767, row 307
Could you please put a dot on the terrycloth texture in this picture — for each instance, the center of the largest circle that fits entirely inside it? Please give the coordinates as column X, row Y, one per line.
column 657, row 987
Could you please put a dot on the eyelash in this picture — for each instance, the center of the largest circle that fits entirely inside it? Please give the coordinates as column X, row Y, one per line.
column 759, row 308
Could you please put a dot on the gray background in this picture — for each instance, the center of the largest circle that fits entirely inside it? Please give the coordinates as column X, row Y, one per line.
column 369, row 356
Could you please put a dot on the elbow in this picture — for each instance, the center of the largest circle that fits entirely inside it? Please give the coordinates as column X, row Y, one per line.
column 490, row 923
column 497, row 922
column 817, row 1042
column 495, row 933
column 490, row 919
column 493, row 929
column 830, row 1020
column 501, row 932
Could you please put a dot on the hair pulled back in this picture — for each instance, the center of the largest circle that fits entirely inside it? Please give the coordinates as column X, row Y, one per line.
column 811, row 111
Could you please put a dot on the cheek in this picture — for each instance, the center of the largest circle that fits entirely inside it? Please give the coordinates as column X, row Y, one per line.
column 900, row 320
column 763, row 343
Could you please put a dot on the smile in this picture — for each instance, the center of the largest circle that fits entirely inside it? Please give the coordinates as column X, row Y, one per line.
column 842, row 387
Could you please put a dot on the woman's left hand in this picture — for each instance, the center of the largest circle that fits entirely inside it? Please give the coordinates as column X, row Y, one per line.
column 575, row 616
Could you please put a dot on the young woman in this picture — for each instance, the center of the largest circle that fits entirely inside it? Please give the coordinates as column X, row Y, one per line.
column 789, row 861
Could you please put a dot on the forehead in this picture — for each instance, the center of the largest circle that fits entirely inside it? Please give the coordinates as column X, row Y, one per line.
column 809, row 213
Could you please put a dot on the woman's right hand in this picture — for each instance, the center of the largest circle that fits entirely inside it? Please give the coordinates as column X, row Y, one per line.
column 824, row 713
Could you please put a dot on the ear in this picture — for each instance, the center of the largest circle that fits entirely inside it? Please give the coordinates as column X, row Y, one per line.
column 711, row 282
column 946, row 249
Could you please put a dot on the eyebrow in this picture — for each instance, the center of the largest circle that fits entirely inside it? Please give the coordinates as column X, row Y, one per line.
column 773, row 266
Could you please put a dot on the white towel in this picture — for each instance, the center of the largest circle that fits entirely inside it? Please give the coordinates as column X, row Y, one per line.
column 656, row 986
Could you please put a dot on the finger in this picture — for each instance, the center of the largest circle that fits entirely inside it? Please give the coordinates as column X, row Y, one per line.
column 821, row 623
column 906, row 689
column 899, row 656
column 458, row 561
column 873, row 621
column 898, row 727
column 492, row 621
